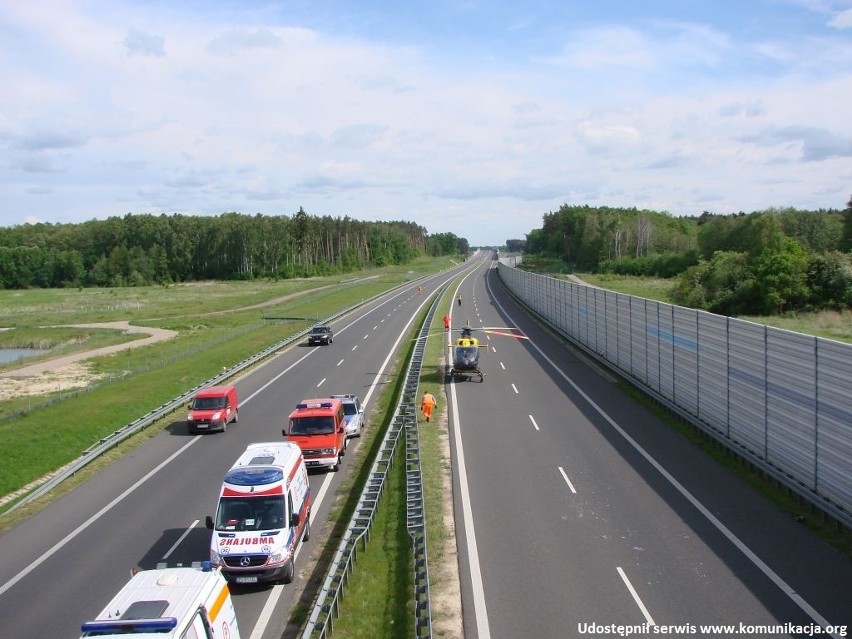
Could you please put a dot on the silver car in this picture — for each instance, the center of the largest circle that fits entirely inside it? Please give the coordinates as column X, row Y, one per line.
column 353, row 413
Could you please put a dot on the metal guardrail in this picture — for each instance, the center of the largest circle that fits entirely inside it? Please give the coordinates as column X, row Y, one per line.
column 404, row 421
column 116, row 437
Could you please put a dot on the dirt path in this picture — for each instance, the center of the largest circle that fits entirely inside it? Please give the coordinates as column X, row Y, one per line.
column 67, row 372
column 154, row 335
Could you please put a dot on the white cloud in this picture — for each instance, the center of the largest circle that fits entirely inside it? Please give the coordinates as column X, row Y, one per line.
column 131, row 110
column 842, row 20
column 140, row 43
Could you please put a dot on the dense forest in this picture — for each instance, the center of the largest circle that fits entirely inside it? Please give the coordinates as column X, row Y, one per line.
column 765, row 262
column 137, row 250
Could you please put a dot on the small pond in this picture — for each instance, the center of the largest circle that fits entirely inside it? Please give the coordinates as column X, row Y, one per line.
column 10, row 355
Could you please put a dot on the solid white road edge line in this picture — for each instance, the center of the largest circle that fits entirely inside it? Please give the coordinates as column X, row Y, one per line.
column 739, row 544
column 278, row 589
column 180, row 539
column 483, row 630
column 73, row 534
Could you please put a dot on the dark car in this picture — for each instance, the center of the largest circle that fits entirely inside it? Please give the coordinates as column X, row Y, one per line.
column 320, row 335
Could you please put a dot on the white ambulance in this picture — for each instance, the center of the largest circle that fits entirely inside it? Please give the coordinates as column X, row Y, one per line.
column 264, row 512
column 184, row 603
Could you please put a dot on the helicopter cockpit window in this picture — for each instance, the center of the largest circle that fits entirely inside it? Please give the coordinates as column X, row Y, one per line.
column 466, row 351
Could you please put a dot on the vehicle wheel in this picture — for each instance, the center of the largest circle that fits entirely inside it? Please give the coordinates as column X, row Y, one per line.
column 224, row 425
column 330, row 340
column 336, row 467
column 236, row 416
column 289, row 572
column 306, row 535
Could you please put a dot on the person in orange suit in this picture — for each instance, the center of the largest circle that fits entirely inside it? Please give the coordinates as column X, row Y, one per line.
column 446, row 322
column 428, row 405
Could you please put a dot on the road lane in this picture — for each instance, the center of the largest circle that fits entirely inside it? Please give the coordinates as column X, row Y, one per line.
column 551, row 559
column 73, row 582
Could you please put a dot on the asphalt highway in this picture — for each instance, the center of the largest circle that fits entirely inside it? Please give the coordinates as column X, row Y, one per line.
column 61, row 566
column 578, row 512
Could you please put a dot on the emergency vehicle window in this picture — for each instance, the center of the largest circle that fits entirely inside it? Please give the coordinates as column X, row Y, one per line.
column 235, row 514
column 312, row 426
column 350, row 409
column 196, row 630
column 271, row 515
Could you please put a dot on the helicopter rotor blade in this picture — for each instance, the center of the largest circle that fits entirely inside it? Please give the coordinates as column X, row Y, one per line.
column 508, row 334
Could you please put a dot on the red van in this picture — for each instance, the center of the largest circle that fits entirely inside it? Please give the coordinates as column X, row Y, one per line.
column 213, row 408
column 318, row 426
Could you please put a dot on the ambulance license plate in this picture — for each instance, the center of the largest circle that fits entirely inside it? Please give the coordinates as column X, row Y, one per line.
column 246, row 580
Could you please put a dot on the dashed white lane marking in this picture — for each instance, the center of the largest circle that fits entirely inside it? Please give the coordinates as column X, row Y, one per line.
column 635, row 596
column 567, row 481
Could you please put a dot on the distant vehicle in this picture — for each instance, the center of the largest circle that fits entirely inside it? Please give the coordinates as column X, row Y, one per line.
column 169, row 603
column 264, row 512
column 353, row 412
column 213, row 408
column 318, row 426
column 320, row 335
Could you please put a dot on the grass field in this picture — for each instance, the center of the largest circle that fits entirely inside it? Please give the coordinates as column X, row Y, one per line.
column 216, row 328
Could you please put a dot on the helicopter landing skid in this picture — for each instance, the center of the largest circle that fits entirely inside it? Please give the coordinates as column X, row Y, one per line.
column 466, row 375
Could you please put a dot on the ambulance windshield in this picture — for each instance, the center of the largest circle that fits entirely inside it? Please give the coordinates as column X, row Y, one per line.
column 312, row 425
column 251, row 513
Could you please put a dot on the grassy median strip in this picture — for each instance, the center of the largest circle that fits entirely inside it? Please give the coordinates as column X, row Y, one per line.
column 378, row 598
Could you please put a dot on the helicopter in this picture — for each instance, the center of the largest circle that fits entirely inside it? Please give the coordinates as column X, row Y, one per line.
column 466, row 351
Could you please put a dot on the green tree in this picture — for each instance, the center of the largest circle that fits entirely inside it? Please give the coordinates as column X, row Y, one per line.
column 780, row 274
column 829, row 280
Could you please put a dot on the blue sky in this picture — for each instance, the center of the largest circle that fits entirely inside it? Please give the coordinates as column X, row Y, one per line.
column 468, row 117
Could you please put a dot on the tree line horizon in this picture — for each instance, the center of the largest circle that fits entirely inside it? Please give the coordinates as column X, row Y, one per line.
column 146, row 249
column 775, row 261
